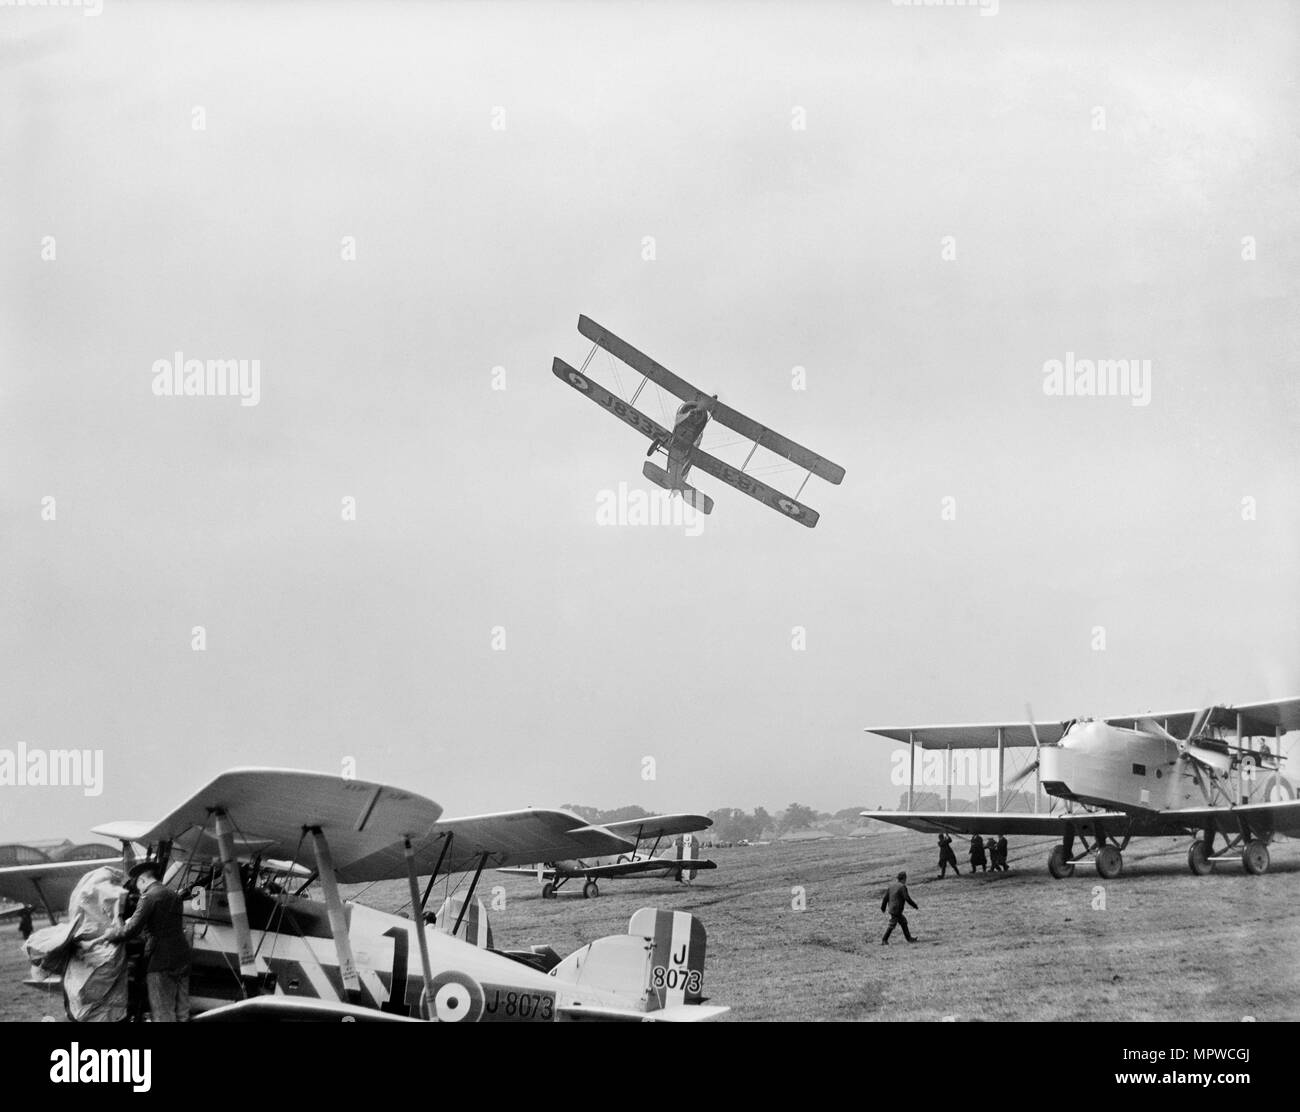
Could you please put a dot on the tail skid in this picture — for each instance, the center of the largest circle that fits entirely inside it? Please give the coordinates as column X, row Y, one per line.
column 695, row 498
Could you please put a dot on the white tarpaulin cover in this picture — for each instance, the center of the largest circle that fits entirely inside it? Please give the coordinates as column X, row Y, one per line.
column 95, row 975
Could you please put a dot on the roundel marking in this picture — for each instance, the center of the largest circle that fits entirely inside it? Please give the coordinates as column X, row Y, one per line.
column 577, row 380
column 1277, row 789
column 788, row 507
column 457, row 998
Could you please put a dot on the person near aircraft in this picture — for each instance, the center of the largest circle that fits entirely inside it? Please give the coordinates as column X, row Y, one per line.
column 25, row 923
column 977, row 858
column 947, row 857
column 991, row 851
column 1002, row 851
column 159, row 916
column 895, row 898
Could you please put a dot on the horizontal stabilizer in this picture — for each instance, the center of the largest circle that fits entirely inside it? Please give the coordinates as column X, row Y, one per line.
column 692, row 497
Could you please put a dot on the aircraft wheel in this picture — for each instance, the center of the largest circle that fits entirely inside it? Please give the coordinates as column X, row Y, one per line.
column 1109, row 862
column 1198, row 858
column 1057, row 865
column 590, row 891
column 548, row 891
column 1255, row 858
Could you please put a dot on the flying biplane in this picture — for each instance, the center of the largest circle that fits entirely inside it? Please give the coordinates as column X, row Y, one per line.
column 1133, row 776
column 680, row 863
column 269, row 951
column 681, row 446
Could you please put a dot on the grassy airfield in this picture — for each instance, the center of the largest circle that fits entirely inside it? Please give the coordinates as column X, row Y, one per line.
column 997, row 946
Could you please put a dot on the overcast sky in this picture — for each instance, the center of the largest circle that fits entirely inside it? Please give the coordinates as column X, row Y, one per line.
column 499, row 170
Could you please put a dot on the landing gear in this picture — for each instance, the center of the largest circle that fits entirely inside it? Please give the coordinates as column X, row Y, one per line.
column 1109, row 862
column 1255, row 858
column 1198, row 858
column 1107, row 855
column 1058, row 864
column 548, row 891
column 590, row 891
column 1201, row 855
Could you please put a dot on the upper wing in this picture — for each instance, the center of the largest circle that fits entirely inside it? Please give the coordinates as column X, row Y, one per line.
column 769, row 496
column 365, row 823
column 518, row 838
column 775, row 442
column 746, row 426
column 640, row 362
column 658, row 826
column 975, row 822
column 1257, row 719
column 973, row 736
column 48, row 884
column 603, row 397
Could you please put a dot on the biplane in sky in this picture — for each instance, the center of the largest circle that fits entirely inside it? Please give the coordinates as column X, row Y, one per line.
column 681, row 862
column 1197, row 773
column 271, row 951
column 681, row 445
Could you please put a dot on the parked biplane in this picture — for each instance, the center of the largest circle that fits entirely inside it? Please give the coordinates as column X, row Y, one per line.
column 37, row 878
column 269, row 951
column 681, row 862
column 1189, row 772
column 682, row 444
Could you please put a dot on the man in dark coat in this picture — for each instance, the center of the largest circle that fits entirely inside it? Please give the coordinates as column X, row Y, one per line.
column 1002, row 852
column 894, row 899
column 977, row 858
column 160, row 916
column 947, row 857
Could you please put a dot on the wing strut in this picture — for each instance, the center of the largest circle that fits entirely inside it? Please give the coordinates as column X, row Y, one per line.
column 49, row 911
column 329, row 885
column 802, row 485
column 235, row 894
column 417, row 921
column 433, row 876
column 754, row 448
column 470, row 894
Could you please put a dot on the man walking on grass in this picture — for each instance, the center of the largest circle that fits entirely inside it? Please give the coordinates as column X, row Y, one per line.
column 895, row 897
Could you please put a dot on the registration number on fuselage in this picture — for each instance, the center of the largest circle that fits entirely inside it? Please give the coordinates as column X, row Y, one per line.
column 514, row 1004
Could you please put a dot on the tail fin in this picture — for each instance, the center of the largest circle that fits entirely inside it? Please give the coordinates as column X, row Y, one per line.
column 474, row 928
column 688, row 849
column 658, row 964
column 676, row 957
column 696, row 498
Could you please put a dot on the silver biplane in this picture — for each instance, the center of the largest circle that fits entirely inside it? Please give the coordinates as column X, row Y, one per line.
column 681, row 445
column 270, row 951
column 1207, row 773
column 681, row 862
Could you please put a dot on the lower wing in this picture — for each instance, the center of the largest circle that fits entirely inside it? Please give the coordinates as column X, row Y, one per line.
column 1254, row 818
column 760, row 491
column 975, row 822
column 605, row 399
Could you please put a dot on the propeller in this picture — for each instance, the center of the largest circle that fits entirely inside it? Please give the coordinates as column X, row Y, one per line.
column 1187, row 749
column 1038, row 750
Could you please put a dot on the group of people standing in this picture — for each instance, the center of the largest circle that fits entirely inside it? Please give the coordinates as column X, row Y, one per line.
column 983, row 855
